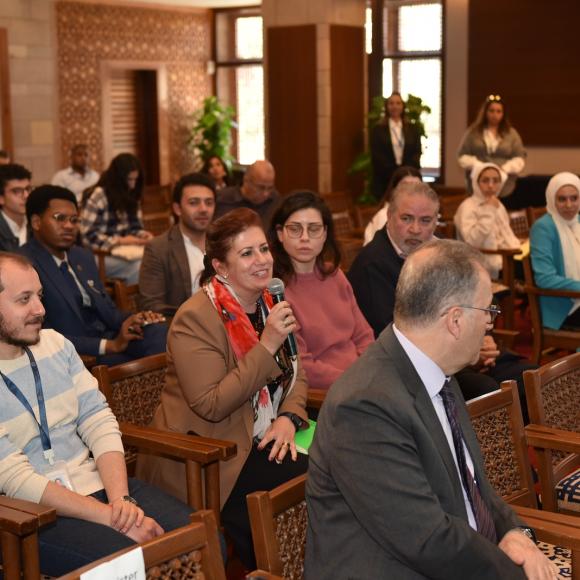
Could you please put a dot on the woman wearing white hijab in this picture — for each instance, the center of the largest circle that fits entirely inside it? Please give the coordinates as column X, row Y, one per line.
column 555, row 250
column 482, row 220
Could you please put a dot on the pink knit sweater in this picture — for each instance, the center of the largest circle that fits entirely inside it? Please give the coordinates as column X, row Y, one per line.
column 332, row 331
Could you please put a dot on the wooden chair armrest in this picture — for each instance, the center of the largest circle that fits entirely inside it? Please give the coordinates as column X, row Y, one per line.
column 44, row 514
column 502, row 251
column 227, row 449
column 163, row 442
column 549, row 438
column 550, row 292
column 554, row 528
column 262, row 575
column 315, row 398
column 17, row 523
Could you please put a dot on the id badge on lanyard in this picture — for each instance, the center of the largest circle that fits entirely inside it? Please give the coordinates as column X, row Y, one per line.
column 43, row 424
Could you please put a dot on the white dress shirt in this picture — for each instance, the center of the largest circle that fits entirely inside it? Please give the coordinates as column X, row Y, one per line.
column 18, row 231
column 195, row 261
column 397, row 139
column 433, row 379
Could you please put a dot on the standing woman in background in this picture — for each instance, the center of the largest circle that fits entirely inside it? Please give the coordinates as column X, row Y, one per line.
column 492, row 139
column 394, row 143
column 332, row 331
column 111, row 216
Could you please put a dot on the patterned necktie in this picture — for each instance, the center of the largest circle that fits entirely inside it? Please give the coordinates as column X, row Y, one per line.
column 70, row 282
column 485, row 525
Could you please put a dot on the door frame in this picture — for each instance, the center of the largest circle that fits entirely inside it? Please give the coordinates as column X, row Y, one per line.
column 162, row 110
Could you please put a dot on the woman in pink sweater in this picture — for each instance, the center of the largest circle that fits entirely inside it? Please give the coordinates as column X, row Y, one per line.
column 332, row 332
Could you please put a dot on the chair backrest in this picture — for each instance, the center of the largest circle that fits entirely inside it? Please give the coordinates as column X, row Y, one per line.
column 279, row 520
column 126, row 296
column 519, row 223
column 497, row 421
column 133, row 389
column 553, row 394
column 192, row 551
column 535, row 213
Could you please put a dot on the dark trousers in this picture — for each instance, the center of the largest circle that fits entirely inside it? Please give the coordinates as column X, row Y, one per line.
column 508, row 366
column 70, row 543
column 154, row 341
column 573, row 321
column 258, row 474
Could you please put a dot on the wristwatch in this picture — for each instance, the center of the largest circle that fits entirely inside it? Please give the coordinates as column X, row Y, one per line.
column 528, row 532
column 130, row 499
column 296, row 420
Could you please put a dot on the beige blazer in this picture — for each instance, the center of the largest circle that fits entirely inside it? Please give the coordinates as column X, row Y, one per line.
column 207, row 392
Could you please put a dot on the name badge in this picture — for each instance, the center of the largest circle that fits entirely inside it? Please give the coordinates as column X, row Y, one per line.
column 129, row 566
column 58, row 472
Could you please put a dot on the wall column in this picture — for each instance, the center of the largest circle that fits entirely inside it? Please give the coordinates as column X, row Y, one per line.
column 315, row 91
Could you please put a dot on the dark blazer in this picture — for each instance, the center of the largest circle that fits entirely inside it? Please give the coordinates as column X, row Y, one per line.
column 164, row 278
column 383, row 493
column 373, row 277
column 63, row 313
column 230, row 198
column 8, row 241
column 383, row 156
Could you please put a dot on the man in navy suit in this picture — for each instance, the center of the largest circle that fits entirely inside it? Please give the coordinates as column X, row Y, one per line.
column 75, row 300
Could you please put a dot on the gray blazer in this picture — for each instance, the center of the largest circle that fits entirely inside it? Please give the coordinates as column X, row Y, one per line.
column 164, row 278
column 384, row 497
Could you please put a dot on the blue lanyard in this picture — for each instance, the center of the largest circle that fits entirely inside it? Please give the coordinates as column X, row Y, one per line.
column 43, row 425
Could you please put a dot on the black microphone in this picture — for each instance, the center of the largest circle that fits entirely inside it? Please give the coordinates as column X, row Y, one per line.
column 276, row 289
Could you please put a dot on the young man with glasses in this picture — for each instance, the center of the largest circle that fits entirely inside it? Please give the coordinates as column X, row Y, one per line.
column 258, row 192
column 76, row 302
column 14, row 190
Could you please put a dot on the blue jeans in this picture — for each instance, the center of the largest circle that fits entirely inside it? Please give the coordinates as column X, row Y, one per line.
column 70, row 543
column 119, row 268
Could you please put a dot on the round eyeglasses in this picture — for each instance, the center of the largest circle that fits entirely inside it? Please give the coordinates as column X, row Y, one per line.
column 296, row 230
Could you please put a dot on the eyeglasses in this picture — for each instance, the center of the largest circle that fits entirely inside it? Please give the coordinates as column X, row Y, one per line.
column 315, row 231
column 494, row 311
column 62, row 218
column 492, row 98
column 20, row 191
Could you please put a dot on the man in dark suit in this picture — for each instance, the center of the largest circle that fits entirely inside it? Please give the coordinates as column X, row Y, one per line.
column 412, row 219
column 257, row 192
column 76, row 302
column 14, row 190
column 396, row 484
column 173, row 262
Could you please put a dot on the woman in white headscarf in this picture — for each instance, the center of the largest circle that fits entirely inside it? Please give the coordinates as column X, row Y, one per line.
column 555, row 250
column 482, row 220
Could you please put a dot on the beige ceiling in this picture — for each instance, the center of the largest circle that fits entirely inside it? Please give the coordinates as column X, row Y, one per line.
column 198, row 3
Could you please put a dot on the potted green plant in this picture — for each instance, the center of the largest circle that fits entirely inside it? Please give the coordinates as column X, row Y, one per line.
column 415, row 108
column 211, row 133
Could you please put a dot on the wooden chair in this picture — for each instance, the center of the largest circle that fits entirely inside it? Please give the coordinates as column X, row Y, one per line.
column 519, row 223
column 497, row 422
column 315, row 398
column 125, row 296
column 157, row 222
column 365, row 213
column 535, row 213
column 192, row 551
column 19, row 524
column 279, row 521
column 543, row 337
column 349, row 250
column 133, row 392
column 553, row 394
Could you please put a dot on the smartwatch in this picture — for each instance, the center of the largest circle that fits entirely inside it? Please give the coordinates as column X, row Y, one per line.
column 296, row 420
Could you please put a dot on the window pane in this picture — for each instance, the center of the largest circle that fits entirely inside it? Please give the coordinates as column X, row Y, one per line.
column 250, row 109
column 422, row 78
column 387, row 77
column 420, row 27
column 249, row 37
column 368, row 30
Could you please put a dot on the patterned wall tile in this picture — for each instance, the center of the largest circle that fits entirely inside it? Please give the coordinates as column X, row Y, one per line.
column 88, row 34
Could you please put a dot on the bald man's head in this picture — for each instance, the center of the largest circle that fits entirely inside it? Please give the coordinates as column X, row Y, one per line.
column 259, row 182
